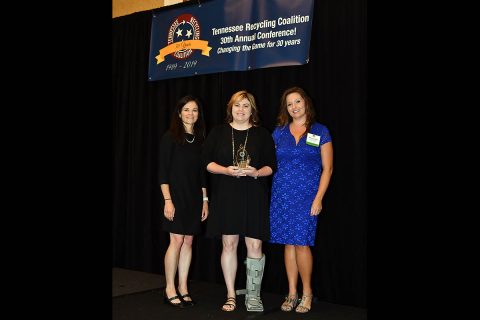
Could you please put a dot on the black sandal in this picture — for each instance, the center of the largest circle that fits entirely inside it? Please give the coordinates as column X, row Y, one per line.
column 168, row 300
column 231, row 302
column 190, row 302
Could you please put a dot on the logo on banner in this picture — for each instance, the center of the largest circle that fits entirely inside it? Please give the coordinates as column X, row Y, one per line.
column 183, row 38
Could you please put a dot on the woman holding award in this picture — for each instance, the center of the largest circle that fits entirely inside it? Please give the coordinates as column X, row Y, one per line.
column 240, row 155
column 305, row 164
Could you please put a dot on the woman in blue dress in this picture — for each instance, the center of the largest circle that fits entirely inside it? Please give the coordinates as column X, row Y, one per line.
column 304, row 167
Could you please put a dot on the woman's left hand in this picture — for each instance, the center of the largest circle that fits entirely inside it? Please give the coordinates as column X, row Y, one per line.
column 250, row 171
column 316, row 207
column 204, row 210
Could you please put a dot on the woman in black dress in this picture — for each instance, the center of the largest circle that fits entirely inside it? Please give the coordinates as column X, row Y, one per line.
column 240, row 155
column 183, row 186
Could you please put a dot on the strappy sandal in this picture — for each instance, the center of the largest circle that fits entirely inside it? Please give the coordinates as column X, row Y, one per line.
column 170, row 302
column 190, row 302
column 301, row 308
column 231, row 304
column 289, row 303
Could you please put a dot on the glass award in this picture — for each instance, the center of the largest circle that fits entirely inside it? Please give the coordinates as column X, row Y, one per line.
column 242, row 158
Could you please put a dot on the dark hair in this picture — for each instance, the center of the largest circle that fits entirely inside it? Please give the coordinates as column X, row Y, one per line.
column 240, row 95
column 176, row 125
column 284, row 117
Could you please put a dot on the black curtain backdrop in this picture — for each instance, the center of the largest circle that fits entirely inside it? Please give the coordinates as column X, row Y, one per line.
column 335, row 78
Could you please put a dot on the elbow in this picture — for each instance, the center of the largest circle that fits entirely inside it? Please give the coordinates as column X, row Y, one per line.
column 209, row 167
column 328, row 170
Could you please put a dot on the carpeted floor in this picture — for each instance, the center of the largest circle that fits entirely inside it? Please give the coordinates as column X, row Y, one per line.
column 139, row 296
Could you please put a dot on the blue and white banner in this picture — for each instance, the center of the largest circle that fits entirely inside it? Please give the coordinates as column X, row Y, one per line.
column 229, row 35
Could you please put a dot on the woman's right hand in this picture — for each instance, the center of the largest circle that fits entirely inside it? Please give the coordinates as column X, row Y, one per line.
column 169, row 210
column 234, row 171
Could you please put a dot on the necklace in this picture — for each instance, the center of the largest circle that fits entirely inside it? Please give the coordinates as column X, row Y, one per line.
column 189, row 140
column 240, row 147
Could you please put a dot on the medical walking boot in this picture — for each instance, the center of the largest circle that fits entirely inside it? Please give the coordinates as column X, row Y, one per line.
column 255, row 268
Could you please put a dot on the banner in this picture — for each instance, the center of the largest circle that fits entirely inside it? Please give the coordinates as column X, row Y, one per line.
column 229, row 35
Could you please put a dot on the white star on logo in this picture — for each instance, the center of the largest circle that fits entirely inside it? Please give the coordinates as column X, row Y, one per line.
column 189, row 33
column 179, row 33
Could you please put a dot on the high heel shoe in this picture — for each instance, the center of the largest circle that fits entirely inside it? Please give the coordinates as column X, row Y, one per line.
column 301, row 308
column 188, row 303
column 290, row 303
column 168, row 300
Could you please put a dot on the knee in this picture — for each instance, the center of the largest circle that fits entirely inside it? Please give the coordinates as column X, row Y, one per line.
column 187, row 241
column 229, row 246
column 255, row 247
column 176, row 241
column 303, row 250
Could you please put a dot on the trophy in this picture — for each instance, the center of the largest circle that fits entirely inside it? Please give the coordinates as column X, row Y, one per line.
column 242, row 159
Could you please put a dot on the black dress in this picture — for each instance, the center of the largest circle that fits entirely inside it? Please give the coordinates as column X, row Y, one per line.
column 239, row 205
column 180, row 168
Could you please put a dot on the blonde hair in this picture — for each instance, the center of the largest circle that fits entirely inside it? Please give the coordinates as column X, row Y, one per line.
column 240, row 95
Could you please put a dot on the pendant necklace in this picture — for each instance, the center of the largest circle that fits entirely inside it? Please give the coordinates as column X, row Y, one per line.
column 243, row 149
column 189, row 140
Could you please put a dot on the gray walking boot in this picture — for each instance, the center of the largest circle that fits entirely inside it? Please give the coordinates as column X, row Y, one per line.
column 255, row 268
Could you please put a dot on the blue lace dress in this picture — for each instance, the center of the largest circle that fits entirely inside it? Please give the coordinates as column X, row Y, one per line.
column 294, row 186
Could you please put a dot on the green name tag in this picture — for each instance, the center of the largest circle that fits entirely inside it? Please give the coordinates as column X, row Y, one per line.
column 313, row 140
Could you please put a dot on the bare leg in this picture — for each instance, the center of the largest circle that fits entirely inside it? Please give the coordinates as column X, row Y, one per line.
column 291, row 268
column 184, row 266
column 171, row 264
column 292, row 276
column 229, row 262
column 254, row 248
column 305, row 265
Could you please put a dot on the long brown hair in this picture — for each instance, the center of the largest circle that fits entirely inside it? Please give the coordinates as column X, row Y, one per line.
column 176, row 125
column 240, row 95
column 284, row 117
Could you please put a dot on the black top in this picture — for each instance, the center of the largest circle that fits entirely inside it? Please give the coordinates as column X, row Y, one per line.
column 239, row 205
column 180, row 168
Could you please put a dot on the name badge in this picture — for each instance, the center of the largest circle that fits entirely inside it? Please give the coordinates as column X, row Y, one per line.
column 313, row 140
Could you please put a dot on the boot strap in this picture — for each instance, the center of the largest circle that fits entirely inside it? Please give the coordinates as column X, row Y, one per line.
column 240, row 292
column 255, row 272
